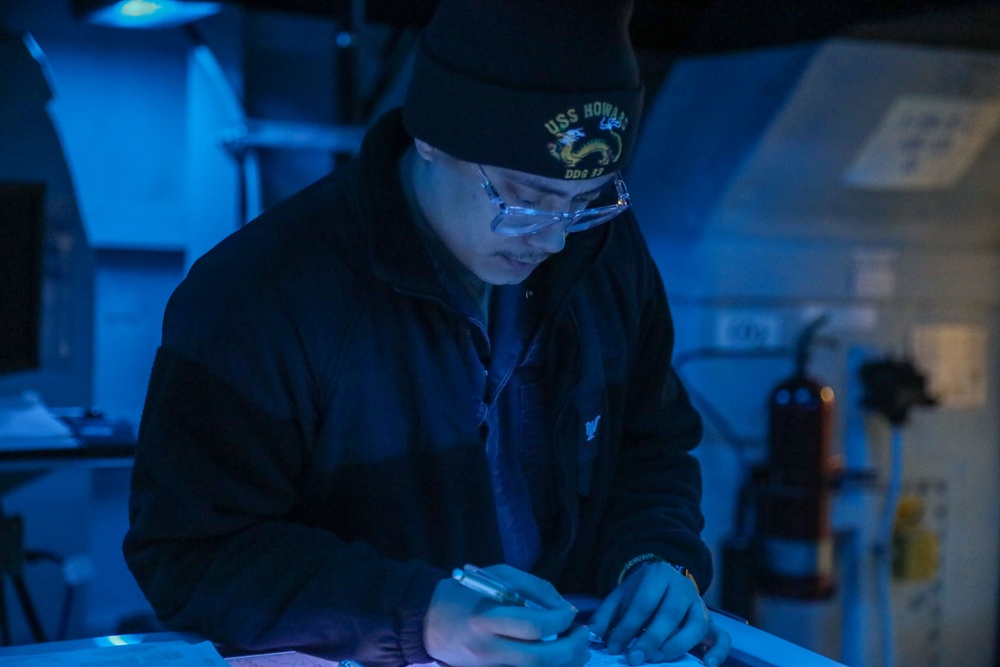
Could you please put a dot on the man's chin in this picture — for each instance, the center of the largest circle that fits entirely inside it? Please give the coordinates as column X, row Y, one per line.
column 509, row 271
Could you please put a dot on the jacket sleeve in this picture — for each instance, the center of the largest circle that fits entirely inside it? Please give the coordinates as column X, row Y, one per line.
column 213, row 540
column 655, row 502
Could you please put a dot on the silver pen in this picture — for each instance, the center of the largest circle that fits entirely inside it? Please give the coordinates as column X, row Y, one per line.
column 483, row 582
column 486, row 584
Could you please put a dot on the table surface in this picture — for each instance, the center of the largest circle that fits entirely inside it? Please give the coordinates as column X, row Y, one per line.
column 752, row 647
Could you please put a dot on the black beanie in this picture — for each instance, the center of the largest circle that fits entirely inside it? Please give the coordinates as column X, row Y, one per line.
column 548, row 87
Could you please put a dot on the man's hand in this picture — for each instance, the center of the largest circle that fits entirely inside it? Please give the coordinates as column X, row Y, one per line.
column 466, row 629
column 661, row 610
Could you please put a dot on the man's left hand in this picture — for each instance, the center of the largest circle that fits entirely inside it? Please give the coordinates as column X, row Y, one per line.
column 661, row 610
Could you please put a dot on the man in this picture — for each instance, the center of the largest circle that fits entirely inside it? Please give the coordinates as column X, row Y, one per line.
column 438, row 355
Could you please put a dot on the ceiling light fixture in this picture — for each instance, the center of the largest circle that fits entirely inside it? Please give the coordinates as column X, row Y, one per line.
column 144, row 13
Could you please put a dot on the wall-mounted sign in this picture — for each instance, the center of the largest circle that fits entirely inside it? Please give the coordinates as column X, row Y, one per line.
column 924, row 142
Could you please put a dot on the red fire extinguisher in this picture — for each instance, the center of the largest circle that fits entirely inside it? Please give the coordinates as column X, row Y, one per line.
column 794, row 525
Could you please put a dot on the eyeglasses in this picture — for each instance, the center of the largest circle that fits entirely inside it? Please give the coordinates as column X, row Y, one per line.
column 520, row 221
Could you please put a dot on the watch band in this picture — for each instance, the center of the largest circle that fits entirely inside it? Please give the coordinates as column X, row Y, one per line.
column 634, row 562
column 647, row 558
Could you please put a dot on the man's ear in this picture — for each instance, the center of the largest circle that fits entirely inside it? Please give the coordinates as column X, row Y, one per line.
column 425, row 150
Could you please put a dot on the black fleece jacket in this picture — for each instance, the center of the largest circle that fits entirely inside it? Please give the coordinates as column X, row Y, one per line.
column 310, row 461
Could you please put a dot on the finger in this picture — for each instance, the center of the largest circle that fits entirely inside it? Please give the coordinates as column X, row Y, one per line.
column 694, row 629
column 719, row 643
column 531, row 587
column 524, row 623
column 570, row 650
column 680, row 608
column 639, row 610
column 606, row 614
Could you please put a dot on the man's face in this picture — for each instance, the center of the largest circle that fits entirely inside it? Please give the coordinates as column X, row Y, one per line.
column 451, row 195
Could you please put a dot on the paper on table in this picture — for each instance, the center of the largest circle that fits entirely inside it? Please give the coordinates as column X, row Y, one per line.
column 161, row 654
column 601, row 658
column 282, row 659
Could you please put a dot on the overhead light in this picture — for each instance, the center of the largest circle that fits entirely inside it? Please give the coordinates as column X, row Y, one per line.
column 144, row 13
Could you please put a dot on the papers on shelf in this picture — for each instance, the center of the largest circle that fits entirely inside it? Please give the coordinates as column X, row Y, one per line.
column 26, row 423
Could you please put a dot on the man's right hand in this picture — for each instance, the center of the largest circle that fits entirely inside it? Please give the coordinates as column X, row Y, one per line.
column 466, row 629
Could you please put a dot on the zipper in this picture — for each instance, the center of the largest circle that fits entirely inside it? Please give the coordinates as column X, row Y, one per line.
column 447, row 307
column 567, row 493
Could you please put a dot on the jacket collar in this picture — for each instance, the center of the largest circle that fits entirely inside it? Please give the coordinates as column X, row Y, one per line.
column 398, row 254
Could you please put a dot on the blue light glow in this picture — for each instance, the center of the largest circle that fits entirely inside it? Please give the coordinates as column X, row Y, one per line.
column 153, row 13
column 137, row 8
column 111, row 640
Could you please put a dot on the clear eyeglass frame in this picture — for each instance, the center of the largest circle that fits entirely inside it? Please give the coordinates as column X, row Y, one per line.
column 521, row 221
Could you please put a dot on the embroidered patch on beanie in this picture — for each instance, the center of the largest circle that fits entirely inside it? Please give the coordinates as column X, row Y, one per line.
column 549, row 88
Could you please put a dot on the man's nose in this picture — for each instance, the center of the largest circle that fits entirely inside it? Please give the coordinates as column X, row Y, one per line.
column 551, row 239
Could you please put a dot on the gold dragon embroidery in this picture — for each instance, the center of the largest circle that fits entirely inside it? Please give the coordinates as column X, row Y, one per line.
column 566, row 151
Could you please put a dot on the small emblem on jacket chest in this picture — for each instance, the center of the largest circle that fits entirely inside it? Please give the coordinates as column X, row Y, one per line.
column 592, row 428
